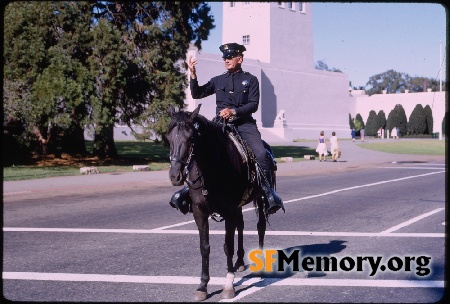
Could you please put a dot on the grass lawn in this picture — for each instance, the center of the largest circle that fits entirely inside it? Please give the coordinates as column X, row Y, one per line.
column 156, row 156
column 405, row 146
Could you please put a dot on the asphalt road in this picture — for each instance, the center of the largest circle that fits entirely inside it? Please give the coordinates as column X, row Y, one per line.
column 114, row 238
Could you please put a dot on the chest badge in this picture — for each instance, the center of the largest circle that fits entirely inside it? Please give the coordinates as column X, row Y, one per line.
column 245, row 83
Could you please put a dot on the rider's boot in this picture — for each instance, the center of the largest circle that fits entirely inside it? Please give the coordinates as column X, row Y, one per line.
column 181, row 200
column 273, row 202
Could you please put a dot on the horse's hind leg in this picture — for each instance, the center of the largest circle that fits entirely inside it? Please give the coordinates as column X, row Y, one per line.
column 203, row 229
column 262, row 225
column 230, row 226
column 239, row 265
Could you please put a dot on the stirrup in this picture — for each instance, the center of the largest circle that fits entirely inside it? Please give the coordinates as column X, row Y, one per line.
column 181, row 200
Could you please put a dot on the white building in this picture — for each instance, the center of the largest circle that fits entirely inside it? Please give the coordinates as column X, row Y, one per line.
column 279, row 42
column 363, row 104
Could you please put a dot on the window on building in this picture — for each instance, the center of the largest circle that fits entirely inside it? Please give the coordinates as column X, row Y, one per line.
column 246, row 40
column 301, row 7
column 280, row 4
column 232, row 4
column 290, row 5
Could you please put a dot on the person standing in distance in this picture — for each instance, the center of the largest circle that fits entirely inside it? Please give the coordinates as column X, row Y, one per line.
column 237, row 97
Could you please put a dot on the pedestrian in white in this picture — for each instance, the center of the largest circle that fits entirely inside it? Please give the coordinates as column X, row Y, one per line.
column 334, row 147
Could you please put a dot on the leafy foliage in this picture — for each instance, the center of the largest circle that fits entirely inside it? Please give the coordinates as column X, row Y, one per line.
column 371, row 125
column 381, row 120
column 397, row 82
column 351, row 121
column 429, row 119
column 397, row 119
column 321, row 65
column 417, row 121
column 359, row 122
column 71, row 65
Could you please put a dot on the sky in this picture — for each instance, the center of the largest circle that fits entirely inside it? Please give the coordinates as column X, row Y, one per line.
column 366, row 39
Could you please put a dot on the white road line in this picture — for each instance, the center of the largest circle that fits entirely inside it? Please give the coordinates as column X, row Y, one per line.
column 420, row 164
column 336, row 282
column 222, row 232
column 362, row 186
column 15, row 192
column 186, row 280
column 416, row 168
column 163, row 229
column 413, row 220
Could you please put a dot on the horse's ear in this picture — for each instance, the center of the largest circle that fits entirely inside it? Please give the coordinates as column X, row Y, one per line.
column 195, row 113
column 171, row 110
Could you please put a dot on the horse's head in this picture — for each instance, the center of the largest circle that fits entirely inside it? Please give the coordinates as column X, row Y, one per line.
column 180, row 136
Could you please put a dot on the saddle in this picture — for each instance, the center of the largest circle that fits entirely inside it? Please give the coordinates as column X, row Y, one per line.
column 255, row 172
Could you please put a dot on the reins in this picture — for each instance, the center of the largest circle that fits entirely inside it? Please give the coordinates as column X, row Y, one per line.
column 188, row 165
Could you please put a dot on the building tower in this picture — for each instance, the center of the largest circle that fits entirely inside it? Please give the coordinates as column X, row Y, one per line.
column 278, row 33
column 279, row 41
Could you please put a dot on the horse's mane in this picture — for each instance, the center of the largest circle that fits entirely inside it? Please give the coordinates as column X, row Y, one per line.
column 214, row 141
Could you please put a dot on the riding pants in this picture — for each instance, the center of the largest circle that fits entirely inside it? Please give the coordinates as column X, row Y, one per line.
column 250, row 133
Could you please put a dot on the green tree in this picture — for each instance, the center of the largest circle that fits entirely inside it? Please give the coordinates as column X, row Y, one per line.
column 444, row 123
column 429, row 119
column 359, row 122
column 351, row 121
column 45, row 87
column 321, row 65
column 371, row 125
column 155, row 37
column 28, row 34
column 397, row 82
column 417, row 123
column 397, row 118
column 421, row 84
column 391, row 81
column 119, row 60
column 381, row 120
column 107, row 70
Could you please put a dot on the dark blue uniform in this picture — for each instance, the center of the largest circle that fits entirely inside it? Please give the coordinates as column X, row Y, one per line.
column 238, row 91
column 243, row 96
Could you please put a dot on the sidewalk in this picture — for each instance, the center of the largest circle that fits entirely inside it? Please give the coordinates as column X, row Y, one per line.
column 353, row 158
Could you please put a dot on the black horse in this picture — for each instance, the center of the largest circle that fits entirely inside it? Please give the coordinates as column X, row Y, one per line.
column 203, row 156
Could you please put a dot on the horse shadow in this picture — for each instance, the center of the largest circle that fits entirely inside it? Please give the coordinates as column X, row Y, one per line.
column 268, row 278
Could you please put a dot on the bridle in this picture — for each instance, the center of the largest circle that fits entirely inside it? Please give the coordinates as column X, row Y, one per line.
column 188, row 163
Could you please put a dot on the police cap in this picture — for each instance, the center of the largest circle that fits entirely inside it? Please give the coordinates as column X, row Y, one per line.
column 231, row 50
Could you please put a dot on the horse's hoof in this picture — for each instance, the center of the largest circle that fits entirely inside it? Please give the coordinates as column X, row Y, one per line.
column 240, row 268
column 200, row 296
column 227, row 294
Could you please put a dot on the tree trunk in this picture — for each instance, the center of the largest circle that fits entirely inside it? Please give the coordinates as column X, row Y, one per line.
column 44, row 142
column 104, row 146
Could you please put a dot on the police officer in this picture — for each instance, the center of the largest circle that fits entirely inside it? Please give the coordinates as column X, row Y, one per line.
column 237, row 97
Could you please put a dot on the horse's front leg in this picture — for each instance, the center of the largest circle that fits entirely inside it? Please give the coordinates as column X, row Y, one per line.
column 203, row 230
column 239, row 265
column 230, row 226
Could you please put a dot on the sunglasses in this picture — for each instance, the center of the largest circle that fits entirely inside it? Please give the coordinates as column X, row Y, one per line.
column 230, row 57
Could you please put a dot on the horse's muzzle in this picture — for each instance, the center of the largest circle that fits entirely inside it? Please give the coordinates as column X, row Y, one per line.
column 176, row 177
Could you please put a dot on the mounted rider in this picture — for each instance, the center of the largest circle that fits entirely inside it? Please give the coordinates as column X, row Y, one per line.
column 237, row 97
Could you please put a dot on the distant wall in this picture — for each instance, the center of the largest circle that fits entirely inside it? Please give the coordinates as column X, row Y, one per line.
column 363, row 104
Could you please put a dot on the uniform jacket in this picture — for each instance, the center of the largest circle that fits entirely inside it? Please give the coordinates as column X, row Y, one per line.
column 244, row 99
